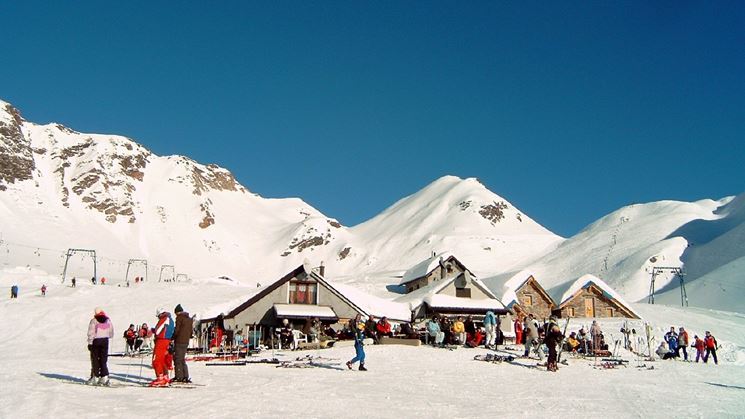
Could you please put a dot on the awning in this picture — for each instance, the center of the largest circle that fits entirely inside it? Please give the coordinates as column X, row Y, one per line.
column 303, row 311
column 446, row 302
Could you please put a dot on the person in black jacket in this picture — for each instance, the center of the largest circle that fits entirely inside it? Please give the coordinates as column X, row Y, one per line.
column 553, row 337
column 181, row 336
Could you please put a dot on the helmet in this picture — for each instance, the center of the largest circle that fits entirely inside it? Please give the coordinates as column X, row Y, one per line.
column 159, row 311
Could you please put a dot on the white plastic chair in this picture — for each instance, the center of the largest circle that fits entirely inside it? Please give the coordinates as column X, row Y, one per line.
column 297, row 337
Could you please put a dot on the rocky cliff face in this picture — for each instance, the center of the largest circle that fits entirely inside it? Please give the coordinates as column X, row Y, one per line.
column 16, row 155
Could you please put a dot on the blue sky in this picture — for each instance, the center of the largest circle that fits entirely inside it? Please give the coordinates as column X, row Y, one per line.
column 568, row 110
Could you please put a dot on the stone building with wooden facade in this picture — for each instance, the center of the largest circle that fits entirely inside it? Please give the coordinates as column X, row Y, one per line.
column 522, row 294
column 590, row 297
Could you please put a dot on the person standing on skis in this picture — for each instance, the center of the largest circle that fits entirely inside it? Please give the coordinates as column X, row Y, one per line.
column 100, row 330
column 181, row 337
column 672, row 340
column 710, row 343
column 553, row 337
column 682, row 343
column 359, row 347
column 161, row 358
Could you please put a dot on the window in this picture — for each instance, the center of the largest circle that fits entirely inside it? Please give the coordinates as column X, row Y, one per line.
column 528, row 300
column 570, row 311
column 463, row 292
column 303, row 292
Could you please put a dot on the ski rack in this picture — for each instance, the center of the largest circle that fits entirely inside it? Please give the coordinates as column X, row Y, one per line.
column 133, row 261
column 71, row 252
column 169, row 267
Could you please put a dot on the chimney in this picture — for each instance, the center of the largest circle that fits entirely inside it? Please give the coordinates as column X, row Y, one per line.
column 322, row 270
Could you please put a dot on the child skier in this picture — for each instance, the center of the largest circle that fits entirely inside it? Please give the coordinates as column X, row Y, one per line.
column 43, row 290
column 359, row 348
column 161, row 358
column 100, row 330
column 698, row 343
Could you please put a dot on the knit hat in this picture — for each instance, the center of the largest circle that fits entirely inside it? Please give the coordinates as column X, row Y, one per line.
column 98, row 312
column 178, row 309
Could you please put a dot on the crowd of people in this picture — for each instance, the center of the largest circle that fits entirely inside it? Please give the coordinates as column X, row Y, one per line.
column 676, row 342
column 169, row 339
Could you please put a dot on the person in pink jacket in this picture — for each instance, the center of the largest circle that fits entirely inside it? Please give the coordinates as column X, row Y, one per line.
column 100, row 330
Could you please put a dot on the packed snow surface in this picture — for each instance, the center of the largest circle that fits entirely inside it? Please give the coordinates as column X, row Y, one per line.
column 44, row 350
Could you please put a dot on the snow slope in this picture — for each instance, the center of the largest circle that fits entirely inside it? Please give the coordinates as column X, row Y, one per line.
column 622, row 247
column 44, row 352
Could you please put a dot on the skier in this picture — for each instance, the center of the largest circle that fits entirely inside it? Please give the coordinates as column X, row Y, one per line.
column 672, row 340
column 359, row 348
column 93, row 280
column 73, row 282
column 490, row 324
column 518, row 330
column 532, row 338
column 698, row 343
column 710, row 343
column 682, row 343
column 103, row 280
column 43, row 290
column 553, row 336
column 14, row 291
column 181, row 337
column 129, row 336
column 161, row 358
column 100, row 330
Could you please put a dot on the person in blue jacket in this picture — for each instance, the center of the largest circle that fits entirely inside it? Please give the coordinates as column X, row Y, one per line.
column 14, row 291
column 433, row 328
column 359, row 347
column 672, row 340
column 490, row 325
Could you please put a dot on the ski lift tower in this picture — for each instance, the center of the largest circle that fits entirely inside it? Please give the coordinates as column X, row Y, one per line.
column 656, row 270
column 71, row 252
column 132, row 262
column 170, row 268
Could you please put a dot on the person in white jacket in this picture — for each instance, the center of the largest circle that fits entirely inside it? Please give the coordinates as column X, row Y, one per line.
column 100, row 330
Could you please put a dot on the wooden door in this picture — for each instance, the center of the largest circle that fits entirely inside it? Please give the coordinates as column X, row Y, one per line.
column 589, row 307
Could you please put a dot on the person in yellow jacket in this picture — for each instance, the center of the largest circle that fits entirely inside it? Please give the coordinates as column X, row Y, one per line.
column 459, row 330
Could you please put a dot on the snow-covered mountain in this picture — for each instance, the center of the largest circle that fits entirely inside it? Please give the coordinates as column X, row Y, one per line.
column 63, row 189
column 624, row 246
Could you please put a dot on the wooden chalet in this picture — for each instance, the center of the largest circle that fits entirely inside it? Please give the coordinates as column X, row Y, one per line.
column 461, row 294
column 435, row 268
column 589, row 296
column 522, row 294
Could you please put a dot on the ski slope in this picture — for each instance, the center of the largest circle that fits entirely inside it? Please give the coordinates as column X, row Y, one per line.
column 44, row 349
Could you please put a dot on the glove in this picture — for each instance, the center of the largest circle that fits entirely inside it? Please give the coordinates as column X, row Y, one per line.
column 90, row 348
column 170, row 348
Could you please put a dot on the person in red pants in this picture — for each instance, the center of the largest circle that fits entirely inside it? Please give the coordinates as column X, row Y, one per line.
column 518, row 330
column 162, row 359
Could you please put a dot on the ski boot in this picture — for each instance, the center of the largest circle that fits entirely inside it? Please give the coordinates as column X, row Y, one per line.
column 161, row 381
column 104, row 381
column 92, row 381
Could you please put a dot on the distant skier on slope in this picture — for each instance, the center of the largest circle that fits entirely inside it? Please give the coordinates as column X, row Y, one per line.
column 359, row 347
column 100, row 330
column 161, row 358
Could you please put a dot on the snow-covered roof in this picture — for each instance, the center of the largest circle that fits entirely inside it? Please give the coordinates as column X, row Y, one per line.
column 424, row 267
column 564, row 292
column 373, row 305
column 505, row 285
column 304, row 310
column 448, row 301
column 416, row 298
